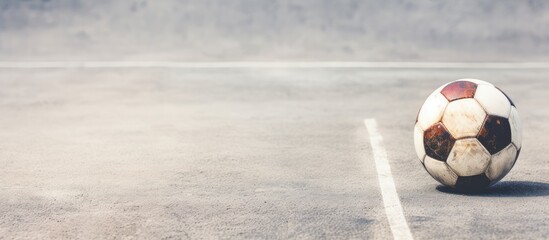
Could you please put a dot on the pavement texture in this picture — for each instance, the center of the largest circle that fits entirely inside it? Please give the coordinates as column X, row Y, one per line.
column 213, row 30
column 246, row 153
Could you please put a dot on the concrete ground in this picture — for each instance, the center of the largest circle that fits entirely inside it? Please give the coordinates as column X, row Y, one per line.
column 246, row 153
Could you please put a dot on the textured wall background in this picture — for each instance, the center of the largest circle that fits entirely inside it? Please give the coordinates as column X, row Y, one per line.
column 275, row 30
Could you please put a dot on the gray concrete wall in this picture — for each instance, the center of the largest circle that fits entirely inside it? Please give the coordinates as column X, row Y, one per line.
column 275, row 30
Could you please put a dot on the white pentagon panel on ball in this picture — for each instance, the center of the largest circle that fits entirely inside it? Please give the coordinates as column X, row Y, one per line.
column 418, row 142
column 501, row 163
column 478, row 82
column 440, row 171
column 493, row 101
column 516, row 128
column 432, row 110
column 468, row 157
column 463, row 118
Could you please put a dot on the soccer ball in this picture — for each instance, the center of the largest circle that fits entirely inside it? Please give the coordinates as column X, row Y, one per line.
column 468, row 134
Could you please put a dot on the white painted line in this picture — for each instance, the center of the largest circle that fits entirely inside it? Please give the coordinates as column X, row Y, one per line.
column 239, row 64
column 391, row 201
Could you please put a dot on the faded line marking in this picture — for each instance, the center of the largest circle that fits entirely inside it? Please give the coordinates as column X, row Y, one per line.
column 267, row 64
column 391, row 201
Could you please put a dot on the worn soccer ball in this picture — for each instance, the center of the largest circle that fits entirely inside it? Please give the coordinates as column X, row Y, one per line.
column 468, row 134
